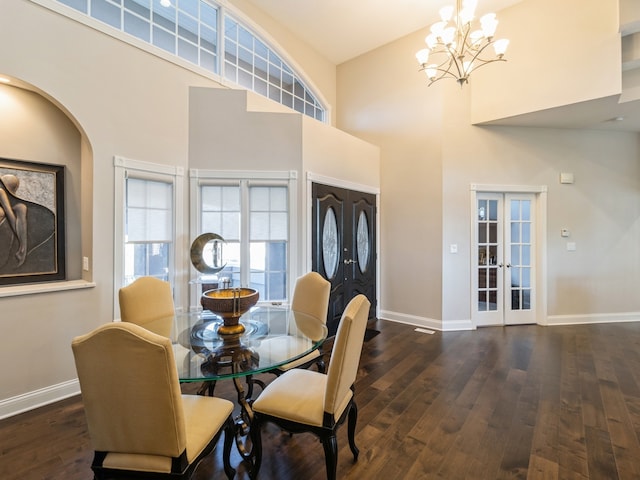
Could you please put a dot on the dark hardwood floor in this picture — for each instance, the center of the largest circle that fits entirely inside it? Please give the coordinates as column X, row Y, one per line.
column 516, row 402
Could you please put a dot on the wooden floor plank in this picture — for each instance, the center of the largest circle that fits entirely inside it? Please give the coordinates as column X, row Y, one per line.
column 530, row 402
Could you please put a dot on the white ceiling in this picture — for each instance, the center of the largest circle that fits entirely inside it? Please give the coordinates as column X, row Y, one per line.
column 343, row 29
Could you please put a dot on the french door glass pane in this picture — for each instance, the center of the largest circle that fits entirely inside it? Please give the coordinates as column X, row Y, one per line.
column 487, row 255
column 520, row 263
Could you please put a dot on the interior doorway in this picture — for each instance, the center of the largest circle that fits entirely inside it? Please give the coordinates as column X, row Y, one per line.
column 505, row 258
column 344, row 246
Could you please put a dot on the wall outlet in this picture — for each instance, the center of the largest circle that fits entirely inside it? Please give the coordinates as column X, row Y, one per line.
column 85, row 264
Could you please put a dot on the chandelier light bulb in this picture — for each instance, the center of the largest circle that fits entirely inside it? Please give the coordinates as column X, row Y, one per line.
column 476, row 37
column 423, row 56
column 489, row 23
column 431, row 41
column 466, row 15
column 438, row 28
column 431, row 71
column 500, row 46
column 448, row 34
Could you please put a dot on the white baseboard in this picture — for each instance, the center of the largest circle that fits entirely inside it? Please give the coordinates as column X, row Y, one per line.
column 587, row 319
column 456, row 325
column 446, row 326
column 38, row 398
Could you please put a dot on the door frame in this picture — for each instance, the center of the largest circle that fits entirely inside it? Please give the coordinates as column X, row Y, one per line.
column 540, row 193
column 307, row 207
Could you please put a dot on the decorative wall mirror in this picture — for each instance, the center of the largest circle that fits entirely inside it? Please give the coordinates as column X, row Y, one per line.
column 206, row 253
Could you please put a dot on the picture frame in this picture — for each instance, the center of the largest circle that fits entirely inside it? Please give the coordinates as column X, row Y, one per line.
column 32, row 222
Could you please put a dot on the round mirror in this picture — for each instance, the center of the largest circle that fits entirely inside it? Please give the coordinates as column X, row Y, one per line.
column 206, row 253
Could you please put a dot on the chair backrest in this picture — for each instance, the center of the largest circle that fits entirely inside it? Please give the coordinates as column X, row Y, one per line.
column 130, row 390
column 345, row 356
column 310, row 303
column 148, row 301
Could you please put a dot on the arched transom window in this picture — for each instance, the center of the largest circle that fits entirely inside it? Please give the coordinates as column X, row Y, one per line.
column 210, row 36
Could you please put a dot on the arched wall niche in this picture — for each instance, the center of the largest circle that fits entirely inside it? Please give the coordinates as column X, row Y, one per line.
column 34, row 127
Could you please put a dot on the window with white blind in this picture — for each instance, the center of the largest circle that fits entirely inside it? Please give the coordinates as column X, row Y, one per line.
column 148, row 226
column 268, row 240
column 147, row 197
column 254, row 218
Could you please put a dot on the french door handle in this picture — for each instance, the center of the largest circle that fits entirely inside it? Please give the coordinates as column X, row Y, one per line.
column 508, row 265
column 350, row 261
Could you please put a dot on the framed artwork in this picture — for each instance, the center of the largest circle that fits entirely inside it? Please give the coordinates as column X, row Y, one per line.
column 32, row 226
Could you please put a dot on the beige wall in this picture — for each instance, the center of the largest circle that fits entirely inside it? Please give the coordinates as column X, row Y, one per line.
column 430, row 155
column 395, row 110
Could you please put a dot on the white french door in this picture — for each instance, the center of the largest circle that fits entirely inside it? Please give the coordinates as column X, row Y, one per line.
column 504, row 263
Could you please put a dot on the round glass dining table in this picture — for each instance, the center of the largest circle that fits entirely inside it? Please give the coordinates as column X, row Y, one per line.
column 273, row 337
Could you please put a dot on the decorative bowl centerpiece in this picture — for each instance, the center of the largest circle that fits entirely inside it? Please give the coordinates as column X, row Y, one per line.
column 230, row 304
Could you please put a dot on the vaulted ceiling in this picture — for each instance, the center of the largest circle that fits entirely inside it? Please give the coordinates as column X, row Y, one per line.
column 344, row 29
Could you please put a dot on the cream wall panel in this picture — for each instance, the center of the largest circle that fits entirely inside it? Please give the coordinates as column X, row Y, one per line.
column 334, row 153
column 225, row 136
column 560, row 53
column 385, row 101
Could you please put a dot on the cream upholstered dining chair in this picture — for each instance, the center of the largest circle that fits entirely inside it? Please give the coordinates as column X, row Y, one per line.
column 308, row 401
column 139, row 422
column 309, row 306
column 148, row 302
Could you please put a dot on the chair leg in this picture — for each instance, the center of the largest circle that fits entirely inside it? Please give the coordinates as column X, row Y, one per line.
column 351, row 430
column 229, row 436
column 330, row 445
column 320, row 365
column 256, row 439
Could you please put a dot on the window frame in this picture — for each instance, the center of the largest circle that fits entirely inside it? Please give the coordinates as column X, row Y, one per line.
column 244, row 179
column 125, row 168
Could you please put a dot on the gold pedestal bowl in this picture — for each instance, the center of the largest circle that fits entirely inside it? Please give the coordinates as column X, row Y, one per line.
column 230, row 304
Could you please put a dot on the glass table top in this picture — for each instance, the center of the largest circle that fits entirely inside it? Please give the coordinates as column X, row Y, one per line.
column 272, row 338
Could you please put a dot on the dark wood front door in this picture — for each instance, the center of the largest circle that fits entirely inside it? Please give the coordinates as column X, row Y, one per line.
column 344, row 246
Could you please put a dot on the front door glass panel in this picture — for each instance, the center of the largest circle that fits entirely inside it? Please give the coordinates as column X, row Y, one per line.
column 362, row 242
column 330, row 243
column 520, row 263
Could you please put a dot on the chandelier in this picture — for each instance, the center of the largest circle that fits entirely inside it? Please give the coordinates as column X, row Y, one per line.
column 458, row 49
